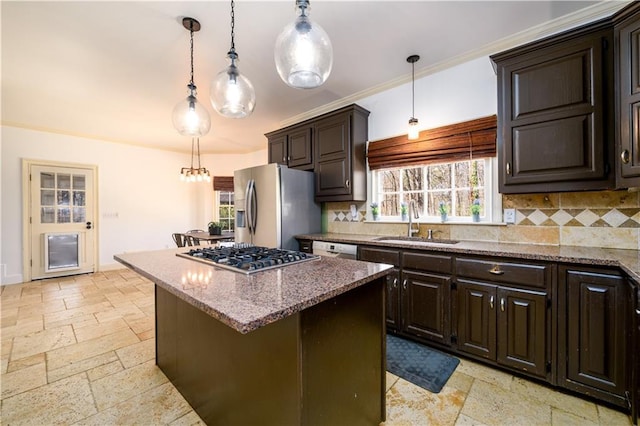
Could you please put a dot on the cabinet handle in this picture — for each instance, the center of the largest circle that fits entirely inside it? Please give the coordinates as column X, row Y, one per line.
column 496, row 270
column 395, row 283
column 404, row 284
column 625, row 156
column 502, row 304
column 491, row 302
column 508, row 168
column 347, row 183
column 637, row 311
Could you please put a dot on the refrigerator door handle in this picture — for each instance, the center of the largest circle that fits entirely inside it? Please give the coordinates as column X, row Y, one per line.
column 254, row 207
column 247, row 205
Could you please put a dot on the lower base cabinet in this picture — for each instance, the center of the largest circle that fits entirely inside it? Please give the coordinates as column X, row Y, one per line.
column 593, row 333
column 505, row 325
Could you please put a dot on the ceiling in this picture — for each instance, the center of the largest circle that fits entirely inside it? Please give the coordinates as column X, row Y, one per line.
column 115, row 70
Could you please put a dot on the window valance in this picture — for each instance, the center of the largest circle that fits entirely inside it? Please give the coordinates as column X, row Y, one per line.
column 455, row 142
column 223, row 183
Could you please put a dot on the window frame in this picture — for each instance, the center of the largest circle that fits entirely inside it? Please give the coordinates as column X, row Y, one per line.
column 219, row 205
column 493, row 200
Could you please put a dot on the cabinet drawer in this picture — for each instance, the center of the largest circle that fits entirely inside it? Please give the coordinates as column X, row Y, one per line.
column 535, row 275
column 373, row 254
column 427, row 262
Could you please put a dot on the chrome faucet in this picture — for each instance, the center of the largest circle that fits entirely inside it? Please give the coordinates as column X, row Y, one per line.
column 416, row 215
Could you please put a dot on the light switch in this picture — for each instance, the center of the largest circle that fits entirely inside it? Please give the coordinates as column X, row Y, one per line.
column 509, row 215
column 354, row 212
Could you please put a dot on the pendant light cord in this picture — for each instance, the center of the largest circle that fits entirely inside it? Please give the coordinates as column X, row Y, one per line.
column 413, row 90
column 233, row 27
column 191, row 50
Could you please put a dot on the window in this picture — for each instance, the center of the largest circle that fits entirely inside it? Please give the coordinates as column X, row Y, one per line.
column 226, row 210
column 455, row 184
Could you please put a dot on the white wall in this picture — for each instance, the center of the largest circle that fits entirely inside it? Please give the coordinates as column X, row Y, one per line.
column 460, row 93
column 140, row 185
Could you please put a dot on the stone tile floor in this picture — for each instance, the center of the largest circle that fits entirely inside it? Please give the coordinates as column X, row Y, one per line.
column 80, row 350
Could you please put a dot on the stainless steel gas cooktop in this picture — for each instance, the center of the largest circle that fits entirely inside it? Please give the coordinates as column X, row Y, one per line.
column 247, row 259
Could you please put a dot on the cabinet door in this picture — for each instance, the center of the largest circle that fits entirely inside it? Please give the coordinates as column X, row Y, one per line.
column 425, row 306
column 333, row 156
column 595, row 331
column 522, row 330
column 393, row 300
column 628, row 56
column 278, row 149
column 555, row 104
column 477, row 319
column 300, row 148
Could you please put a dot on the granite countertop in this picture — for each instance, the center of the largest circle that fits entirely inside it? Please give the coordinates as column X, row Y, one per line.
column 248, row 302
column 627, row 260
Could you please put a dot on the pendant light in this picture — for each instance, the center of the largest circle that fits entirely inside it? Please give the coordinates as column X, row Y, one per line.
column 192, row 174
column 231, row 93
column 414, row 132
column 303, row 51
column 189, row 117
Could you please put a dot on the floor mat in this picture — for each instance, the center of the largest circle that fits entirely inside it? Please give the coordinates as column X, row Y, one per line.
column 419, row 364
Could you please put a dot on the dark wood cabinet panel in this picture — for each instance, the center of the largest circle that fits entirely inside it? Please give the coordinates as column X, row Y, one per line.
column 593, row 333
column 504, row 271
column 522, row 330
column 628, row 72
column 393, row 317
column 477, row 319
column 425, row 305
column 292, row 147
column 332, row 134
column 555, row 102
column 333, row 177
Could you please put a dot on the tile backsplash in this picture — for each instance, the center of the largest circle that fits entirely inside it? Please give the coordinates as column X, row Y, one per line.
column 608, row 219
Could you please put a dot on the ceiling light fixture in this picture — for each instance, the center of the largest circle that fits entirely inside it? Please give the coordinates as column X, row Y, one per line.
column 303, row 51
column 189, row 117
column 232, row 94
column 414, row 132
column 191, row 174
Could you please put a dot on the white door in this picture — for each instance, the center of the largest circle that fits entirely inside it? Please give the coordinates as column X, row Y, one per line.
column 62, row 225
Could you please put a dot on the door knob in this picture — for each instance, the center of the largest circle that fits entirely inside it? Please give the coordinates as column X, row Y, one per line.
column 88, row 225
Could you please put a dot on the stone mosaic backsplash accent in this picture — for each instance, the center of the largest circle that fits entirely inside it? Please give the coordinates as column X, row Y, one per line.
column 607, row 219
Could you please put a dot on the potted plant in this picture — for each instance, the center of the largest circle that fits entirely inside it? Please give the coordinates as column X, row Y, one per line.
column 375, row 210
column 442, row 208
column 215, row 228
column 403, row 211
column 475, row 210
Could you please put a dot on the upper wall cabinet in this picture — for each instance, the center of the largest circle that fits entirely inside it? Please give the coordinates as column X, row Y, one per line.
column 627, row 34
column 333, row 146
column 555, row 112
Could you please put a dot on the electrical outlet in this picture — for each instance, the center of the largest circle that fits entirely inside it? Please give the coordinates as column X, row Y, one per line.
column 509, row 215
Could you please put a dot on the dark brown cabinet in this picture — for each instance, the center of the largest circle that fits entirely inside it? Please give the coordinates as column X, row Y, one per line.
column 592, row 333
column 500, row 318
column 340, row 164
column 555, row 112
column 292, row 147
column 418, row 292
column 634, row 301
column 627, row 33
column 333, row 146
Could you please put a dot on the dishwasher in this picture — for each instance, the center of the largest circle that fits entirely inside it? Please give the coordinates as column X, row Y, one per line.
column 343, row 251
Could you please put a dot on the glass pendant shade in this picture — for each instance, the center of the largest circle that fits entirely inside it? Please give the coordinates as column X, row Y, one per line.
column 190, row 118
column 414, row 132
column 303, row 53
column 232, row 94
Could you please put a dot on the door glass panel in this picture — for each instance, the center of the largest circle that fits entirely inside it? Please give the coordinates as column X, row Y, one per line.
column 79, row 214
column 78, row 182
column 47, row 197
column 64, row 215
column 64, row 181
column 79, row 198
column 47, row 180
column 63, row 198
column 47, row 215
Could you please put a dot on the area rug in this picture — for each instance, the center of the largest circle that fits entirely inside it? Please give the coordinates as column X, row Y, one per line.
column 428, row 368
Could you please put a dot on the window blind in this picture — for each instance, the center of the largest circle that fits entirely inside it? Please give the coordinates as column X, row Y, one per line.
column 455, row 142
column 223, row 183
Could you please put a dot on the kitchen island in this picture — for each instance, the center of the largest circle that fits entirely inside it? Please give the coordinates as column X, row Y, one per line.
column 301, row 344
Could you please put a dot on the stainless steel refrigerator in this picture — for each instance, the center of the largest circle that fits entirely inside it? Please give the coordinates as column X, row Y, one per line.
column 273, row 204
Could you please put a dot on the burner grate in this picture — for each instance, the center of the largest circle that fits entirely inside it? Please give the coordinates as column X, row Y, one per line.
column 247, row 259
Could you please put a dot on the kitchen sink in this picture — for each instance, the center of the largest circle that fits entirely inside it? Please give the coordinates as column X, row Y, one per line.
column 400, row 239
